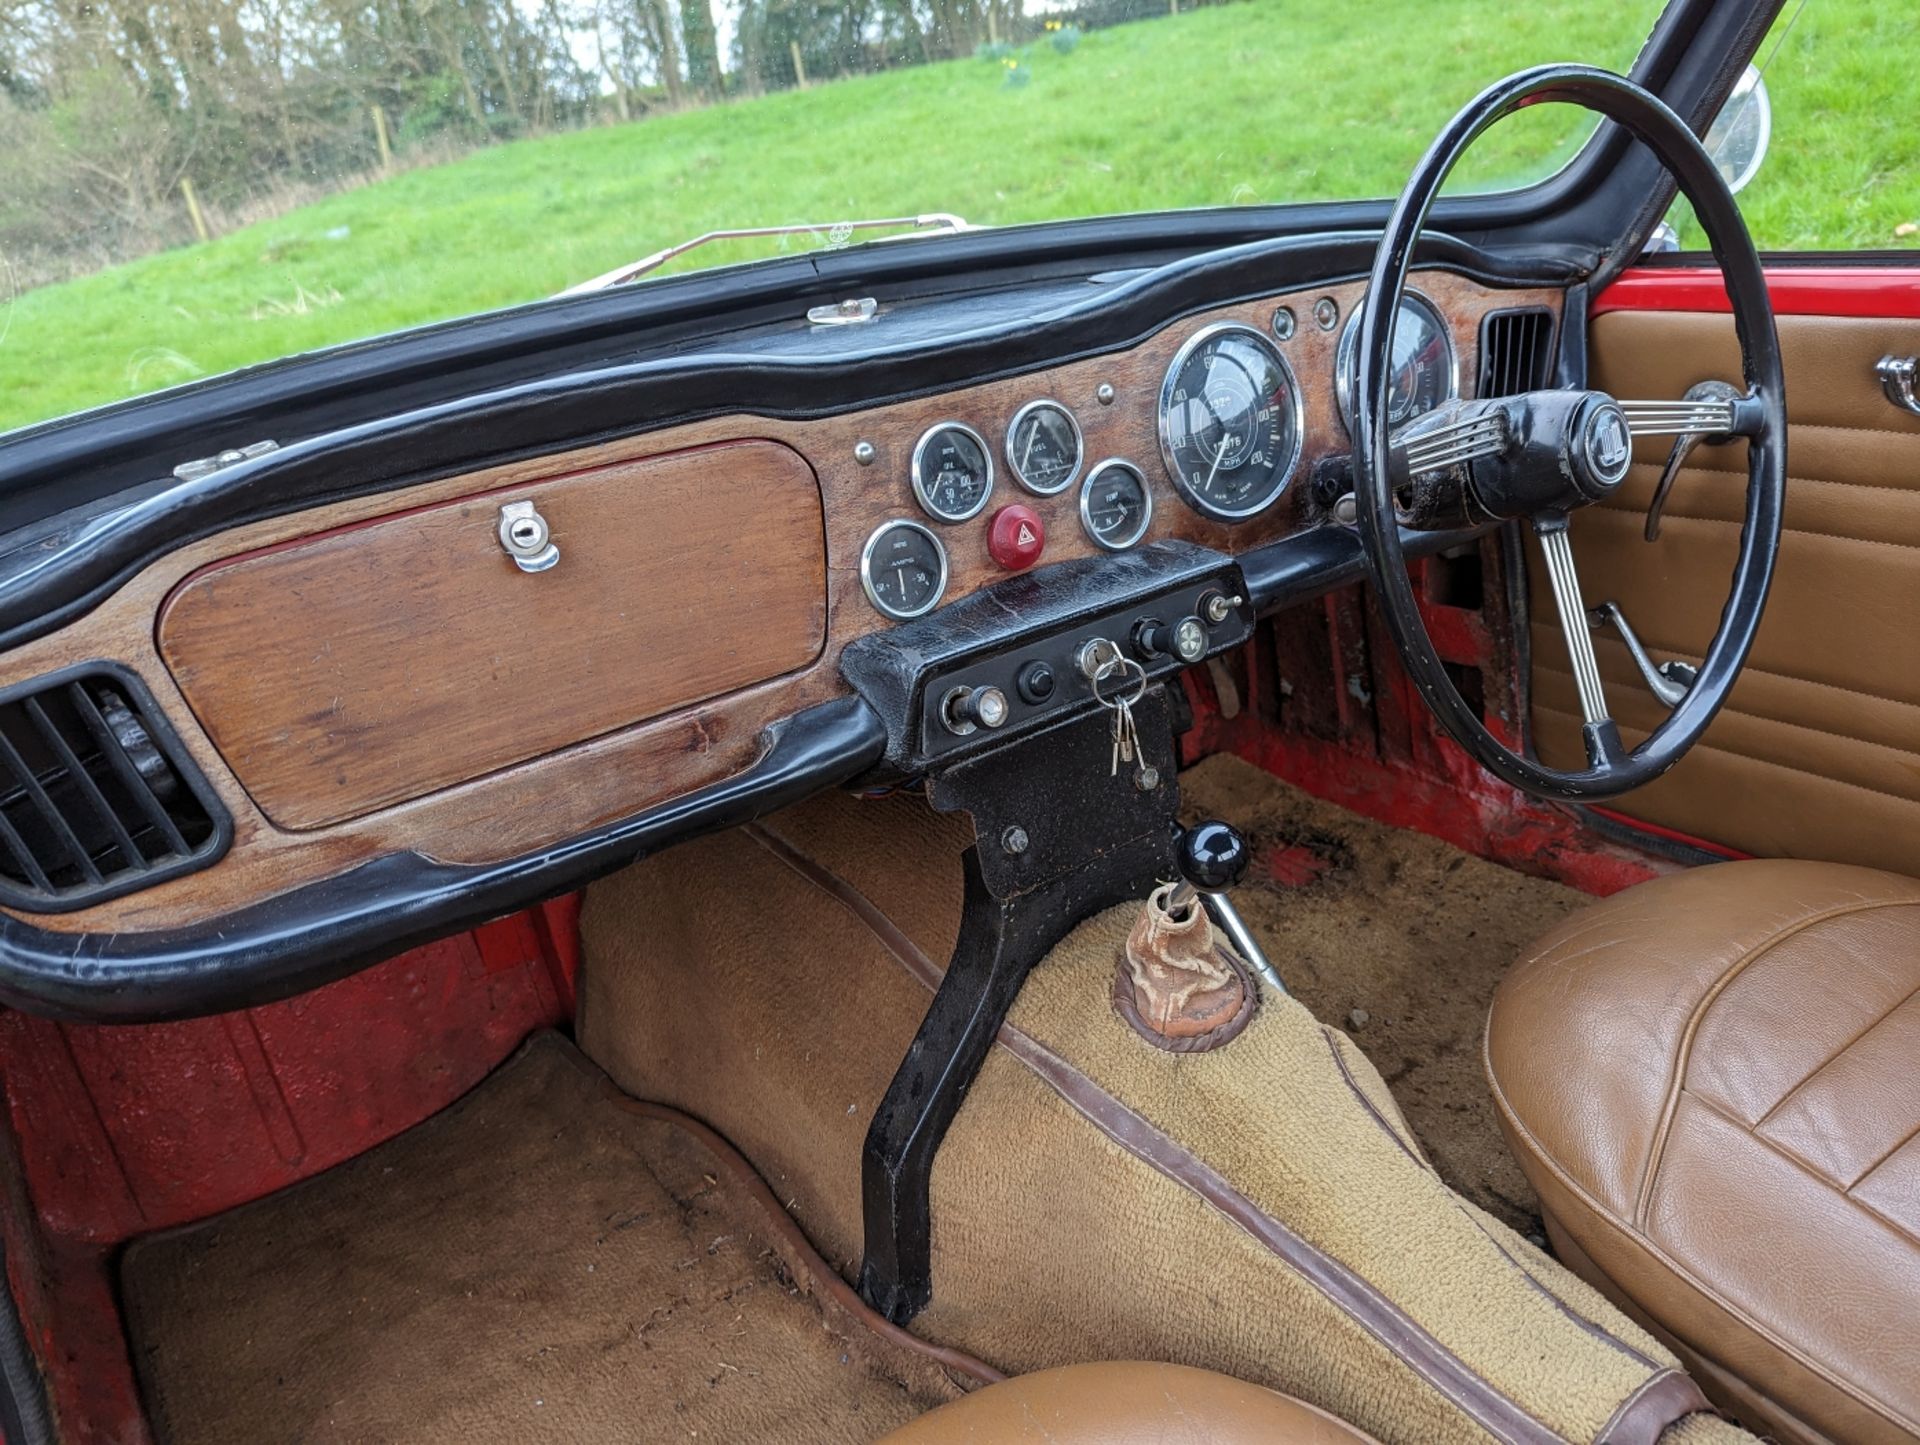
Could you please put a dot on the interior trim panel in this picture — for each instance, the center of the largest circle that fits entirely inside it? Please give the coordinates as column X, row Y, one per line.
column 381, row 661
column 1817, row 753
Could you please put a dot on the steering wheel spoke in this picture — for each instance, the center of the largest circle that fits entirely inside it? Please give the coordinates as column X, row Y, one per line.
column 1452, row 443
column 1565, row 580
column 1711, row 411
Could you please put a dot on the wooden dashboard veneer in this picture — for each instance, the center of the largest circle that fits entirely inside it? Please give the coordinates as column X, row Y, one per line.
column 246, row 672
column 378, row 663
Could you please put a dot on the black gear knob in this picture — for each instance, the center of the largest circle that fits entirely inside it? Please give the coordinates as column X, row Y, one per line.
column 1212, row 856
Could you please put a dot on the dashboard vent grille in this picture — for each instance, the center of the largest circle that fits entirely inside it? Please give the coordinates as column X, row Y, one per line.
column 1516, row 351
column 97, row 797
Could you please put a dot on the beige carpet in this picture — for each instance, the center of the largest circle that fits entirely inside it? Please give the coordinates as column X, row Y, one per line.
column 541, row 1261
column 770, row 979
column 1398, row 939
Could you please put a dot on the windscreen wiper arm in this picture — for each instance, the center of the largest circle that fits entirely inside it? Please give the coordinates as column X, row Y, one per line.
column 934, row 223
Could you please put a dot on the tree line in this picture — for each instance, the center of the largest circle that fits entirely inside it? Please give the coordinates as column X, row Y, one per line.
column 127, row 125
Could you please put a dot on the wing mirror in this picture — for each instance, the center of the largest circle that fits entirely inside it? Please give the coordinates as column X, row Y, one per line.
column 1737, row 140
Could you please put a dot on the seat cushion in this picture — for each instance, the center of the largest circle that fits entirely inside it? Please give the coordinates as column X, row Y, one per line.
column 1713, row 1081
column 1117, row 1404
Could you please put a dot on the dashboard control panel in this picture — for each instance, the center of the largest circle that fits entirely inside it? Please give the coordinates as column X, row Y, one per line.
column 1041, row 647
column 1076, row 667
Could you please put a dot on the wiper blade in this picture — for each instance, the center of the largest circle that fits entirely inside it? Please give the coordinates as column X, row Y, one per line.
column 934, row 223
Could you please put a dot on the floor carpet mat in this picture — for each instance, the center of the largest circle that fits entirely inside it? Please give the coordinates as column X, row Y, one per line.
column 1400, row 940
column 545, row 1259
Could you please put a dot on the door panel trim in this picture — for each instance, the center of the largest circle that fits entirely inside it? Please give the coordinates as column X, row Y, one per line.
column 1886, row 293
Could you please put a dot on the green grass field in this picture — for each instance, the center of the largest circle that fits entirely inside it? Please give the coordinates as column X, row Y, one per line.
column 1270, row 100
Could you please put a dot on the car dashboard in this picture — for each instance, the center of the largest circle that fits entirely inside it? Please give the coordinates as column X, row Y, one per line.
column 250, row 745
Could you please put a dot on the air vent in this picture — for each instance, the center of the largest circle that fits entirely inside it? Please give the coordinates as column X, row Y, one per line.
column 1516, row 351
column 97, row 798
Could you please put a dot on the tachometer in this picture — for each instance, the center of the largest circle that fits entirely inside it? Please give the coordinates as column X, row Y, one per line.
column 1115, row 505
column 1044, row 448
column 952, row 472
column 1426, row 372
column 1230, row 422
column 903, row 568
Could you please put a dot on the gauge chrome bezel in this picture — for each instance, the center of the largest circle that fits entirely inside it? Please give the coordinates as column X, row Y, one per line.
column 1343, row 349
column 919, row 481
column 1079, row 445
column 1167, row 458
column 1086, row 516
column 866, row 569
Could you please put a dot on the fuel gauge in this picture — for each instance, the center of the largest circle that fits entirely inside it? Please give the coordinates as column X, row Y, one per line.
column 1044, row 447
column 1115, row 505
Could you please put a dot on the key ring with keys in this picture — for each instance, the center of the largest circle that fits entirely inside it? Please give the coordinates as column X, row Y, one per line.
column 1126, row 739
column 1119, row 664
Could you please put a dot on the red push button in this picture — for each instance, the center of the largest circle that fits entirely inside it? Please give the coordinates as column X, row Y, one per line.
column 1016, row 537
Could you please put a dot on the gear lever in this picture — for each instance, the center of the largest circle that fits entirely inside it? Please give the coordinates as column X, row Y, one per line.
column 1213, row 857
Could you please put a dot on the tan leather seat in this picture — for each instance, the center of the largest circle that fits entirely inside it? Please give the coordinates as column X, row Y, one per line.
column 1119, row 1404
column 1713, row 1081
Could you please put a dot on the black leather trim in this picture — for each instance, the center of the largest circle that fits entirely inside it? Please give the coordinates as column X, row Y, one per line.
column 68, row 565
column 328, row 929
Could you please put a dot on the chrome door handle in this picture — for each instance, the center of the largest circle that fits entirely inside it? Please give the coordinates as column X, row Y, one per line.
column 1896, row 375
column 1669, row 681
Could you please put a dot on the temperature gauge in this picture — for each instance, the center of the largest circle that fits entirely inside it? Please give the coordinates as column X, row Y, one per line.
column 1115, row 505
column 952, row 472
column 1044, row 447
column 904, row 569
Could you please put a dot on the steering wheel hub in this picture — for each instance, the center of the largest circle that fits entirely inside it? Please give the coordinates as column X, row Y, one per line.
column 1604, row 449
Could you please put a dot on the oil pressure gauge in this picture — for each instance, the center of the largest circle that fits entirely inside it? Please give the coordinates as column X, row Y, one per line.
column 1044, row 447
column 903, row 568
column 952, row 472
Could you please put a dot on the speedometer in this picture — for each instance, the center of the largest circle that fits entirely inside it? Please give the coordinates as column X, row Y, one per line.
column 1426, row 371
column 1229, row 422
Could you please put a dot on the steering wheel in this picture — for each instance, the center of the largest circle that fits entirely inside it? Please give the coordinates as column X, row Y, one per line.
column 1544, row 454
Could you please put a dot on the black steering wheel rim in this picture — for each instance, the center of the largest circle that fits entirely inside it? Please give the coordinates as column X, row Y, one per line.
column 1611, row 769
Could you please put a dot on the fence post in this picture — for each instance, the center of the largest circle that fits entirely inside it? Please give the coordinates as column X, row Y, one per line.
column 799, row 66
column 380, row 136
column 193, row 210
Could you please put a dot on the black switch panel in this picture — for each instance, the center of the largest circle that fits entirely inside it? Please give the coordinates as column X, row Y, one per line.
column 1022, row 635
column 1058, row 654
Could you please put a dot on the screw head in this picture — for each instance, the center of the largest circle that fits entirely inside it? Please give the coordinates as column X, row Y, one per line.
column 1103, row 393
column 1014, row 841
column 1283, row 323
column 863, row 453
